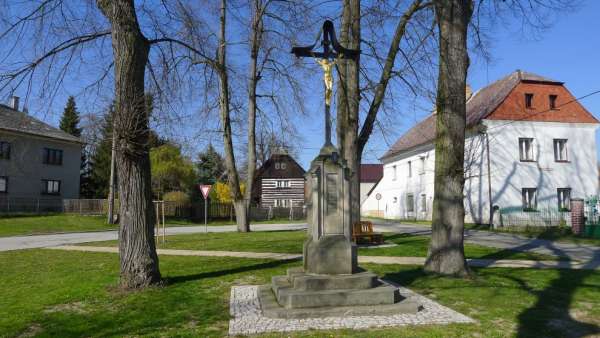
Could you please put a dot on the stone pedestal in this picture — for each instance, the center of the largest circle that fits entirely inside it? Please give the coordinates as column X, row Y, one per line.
column 330, row 282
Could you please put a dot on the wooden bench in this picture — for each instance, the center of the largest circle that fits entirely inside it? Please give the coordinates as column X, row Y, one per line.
column 363, row 232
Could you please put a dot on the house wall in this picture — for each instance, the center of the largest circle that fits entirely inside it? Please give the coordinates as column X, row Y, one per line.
column 365, row 187
column 270, row 191
column 507, row 173
column 25, row 168
column 394, row 191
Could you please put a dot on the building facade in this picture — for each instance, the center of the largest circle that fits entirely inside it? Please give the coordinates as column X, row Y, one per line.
column 279, row 182
column 530, row 146
column 370, row 174
column 36, row 159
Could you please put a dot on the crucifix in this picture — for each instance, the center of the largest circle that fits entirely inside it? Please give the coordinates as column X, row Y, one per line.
column 329, row 283
column 327, row 59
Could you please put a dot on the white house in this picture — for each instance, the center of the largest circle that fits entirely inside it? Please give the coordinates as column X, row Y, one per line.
column 530, row 146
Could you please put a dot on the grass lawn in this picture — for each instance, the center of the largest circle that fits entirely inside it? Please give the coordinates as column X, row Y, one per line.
column 73, row 294
column 35, row 225
column 291, row 242
column 57, row 223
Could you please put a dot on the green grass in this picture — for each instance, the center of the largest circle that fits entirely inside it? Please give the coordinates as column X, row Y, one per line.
column 291, row 242
column 20, row 225
column 36, row 225
column 555, row 234
column 51, row 293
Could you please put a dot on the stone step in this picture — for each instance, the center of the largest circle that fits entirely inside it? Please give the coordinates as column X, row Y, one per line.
column 271, row 308
column 280, row 282
column 357, row 281
column 291, row 298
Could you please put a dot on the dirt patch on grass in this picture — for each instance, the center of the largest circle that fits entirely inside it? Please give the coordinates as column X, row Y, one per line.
column 32, row 331
column 77, row 307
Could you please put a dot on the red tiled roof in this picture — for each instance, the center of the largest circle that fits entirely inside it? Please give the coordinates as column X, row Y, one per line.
column 371, row 173
column 482, row 105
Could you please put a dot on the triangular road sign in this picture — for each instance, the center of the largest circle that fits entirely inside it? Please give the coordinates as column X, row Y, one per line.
column 205, row 190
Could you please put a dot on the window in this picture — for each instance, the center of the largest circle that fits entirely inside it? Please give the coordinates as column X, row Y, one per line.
column 4, row 151
column 277, row 165
column 423, row 203
column 564, row 199
column 552, row 99
column 282, row 203
column 422, row 168
column 410, row 203
column 560, row 150
column 50, row 187
column 394, row 173
column 282, row 184
column 283, row 166
column 53, row 156
column 3, row 184
column 529, row 199
column 528, row 100
column 409, row 169
column 526, row 149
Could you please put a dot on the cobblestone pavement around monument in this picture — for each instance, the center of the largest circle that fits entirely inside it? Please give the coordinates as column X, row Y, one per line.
column 248, row 319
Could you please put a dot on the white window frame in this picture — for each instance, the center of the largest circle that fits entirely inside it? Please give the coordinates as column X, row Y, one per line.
column 3, row 184
column 410, row 203
column 277, row 165
column 564, row 198
column 409, row 168
column 394, row 173
column 529, row 196
column 51, row 187
column 422, row 169
column 282, row 203
column 527, row 149
column 561, row 153
column 282, row 184
column 423, row 203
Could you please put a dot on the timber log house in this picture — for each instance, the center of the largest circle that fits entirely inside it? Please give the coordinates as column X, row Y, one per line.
column 279, row 182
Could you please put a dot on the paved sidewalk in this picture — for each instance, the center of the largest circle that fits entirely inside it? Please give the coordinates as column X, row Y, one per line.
column 490, row 263
column 585, row 253
column 42, row 241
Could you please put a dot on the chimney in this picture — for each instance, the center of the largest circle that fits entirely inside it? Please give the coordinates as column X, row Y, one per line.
column 14, row 102
column 468, row 92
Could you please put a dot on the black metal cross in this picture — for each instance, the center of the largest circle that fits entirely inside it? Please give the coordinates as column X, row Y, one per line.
column 332, row 50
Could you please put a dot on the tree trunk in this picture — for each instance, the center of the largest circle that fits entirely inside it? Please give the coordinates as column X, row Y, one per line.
column 138, row 258
column 232, row 173
column 255, row 42
column 446, row 250
column 348, row 103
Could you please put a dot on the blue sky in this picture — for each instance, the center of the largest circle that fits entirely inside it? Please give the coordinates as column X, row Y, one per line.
column 569, row 51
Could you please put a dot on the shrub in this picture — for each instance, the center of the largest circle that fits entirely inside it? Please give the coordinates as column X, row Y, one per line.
column 176, row 196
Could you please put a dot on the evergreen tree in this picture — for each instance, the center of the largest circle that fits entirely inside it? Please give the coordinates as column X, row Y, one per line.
column 69, row 122
column 100, row 163
column 210, row 166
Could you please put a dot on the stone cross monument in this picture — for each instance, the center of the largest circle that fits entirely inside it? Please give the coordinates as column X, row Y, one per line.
column 330, row 282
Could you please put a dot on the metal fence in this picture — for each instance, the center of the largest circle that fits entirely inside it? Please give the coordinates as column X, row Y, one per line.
column 190, row 210
column 536, row 218
column 592, row 211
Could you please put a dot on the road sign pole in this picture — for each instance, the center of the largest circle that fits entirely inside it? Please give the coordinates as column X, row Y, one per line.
column 205, row 189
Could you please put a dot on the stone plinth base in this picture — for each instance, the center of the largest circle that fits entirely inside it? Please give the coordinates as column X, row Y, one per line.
column 301, row 295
